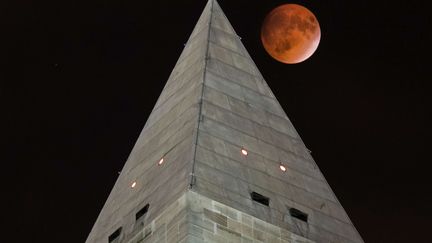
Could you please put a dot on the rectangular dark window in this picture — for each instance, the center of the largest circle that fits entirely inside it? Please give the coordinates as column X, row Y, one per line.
column 142, row 212
column 260, row 198
column 114, row 236
column 298, row 214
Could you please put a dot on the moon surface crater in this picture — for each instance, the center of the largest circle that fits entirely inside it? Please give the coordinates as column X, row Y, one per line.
column 290, row 33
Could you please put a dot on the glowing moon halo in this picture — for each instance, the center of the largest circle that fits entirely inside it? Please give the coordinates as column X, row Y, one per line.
column 290, row 33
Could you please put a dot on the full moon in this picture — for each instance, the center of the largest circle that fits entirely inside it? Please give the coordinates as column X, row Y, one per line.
column 290, row 33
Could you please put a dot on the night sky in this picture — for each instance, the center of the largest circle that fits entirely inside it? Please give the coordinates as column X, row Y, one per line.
column 78, row 80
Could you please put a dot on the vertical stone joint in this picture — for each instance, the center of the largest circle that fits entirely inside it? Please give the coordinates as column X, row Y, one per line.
column 200, row 102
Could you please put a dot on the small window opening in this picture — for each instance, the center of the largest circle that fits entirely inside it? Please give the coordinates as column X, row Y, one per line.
column 115, row 236
column 140, row 214
column 260, row 198
column 298, row 214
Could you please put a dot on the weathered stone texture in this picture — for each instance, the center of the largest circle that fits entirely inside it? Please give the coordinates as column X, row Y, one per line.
column 195, row 218
column 214, row 104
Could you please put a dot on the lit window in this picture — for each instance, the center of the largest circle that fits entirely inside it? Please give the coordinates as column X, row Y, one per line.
column 244, row 152
column 161, row 161
column 134, row 184
column 282, row 167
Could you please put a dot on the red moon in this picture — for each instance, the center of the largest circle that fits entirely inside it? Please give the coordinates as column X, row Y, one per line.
column 290, row 33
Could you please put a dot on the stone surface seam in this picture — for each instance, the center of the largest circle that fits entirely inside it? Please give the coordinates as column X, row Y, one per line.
column 293, row 185
column 252, row 121
column 182, row 86
column 328, row 215
column 252, row 136
column 192, row 180
column 275, row 162
column 237, row 99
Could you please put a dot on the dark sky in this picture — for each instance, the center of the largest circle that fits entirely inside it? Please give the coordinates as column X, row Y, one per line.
column 78, row 80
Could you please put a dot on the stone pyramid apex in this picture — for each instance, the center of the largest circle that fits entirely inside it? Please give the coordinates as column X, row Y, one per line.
column 218, row 160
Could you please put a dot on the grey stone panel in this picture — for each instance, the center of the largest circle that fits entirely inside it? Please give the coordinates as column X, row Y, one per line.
column 233, row 198
column 199, row 39
column 201, row 221
column 160, row 230
column 228, row 134
column 263, row 87
column 166, row 123
column 185, row 78
column 267, row 103
column 191, row 89
column 231, row 58
column 265, row 213
column 231, row 156
column 315, row 202
column 229, row 183
column 243, row 63
column 218, row 20
column 162, row 146
column 178, row 108
column 221, row 179
column 233, row 74
column 294, row 163
column 224, row 116
column 215, row 160
column 242, row 93
column 153, row 193
column 210, row 190
column 239, row 138
column 197, row 43
column 169, row 225
column 173, row 162
column 255, row 129
column 175, row 146
column 227, row 37
column 177, row 186
column 119, row 201
column 192, row 58
column 215, row 97
column 291, row 160
column 282, row 125
column 245, row 109
column 186, row 62
column 220, row 53
column 221, row 85
column 305, row 182
column 226, row 40
column 159, row 130
column 145, row 177
column 174, row 109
